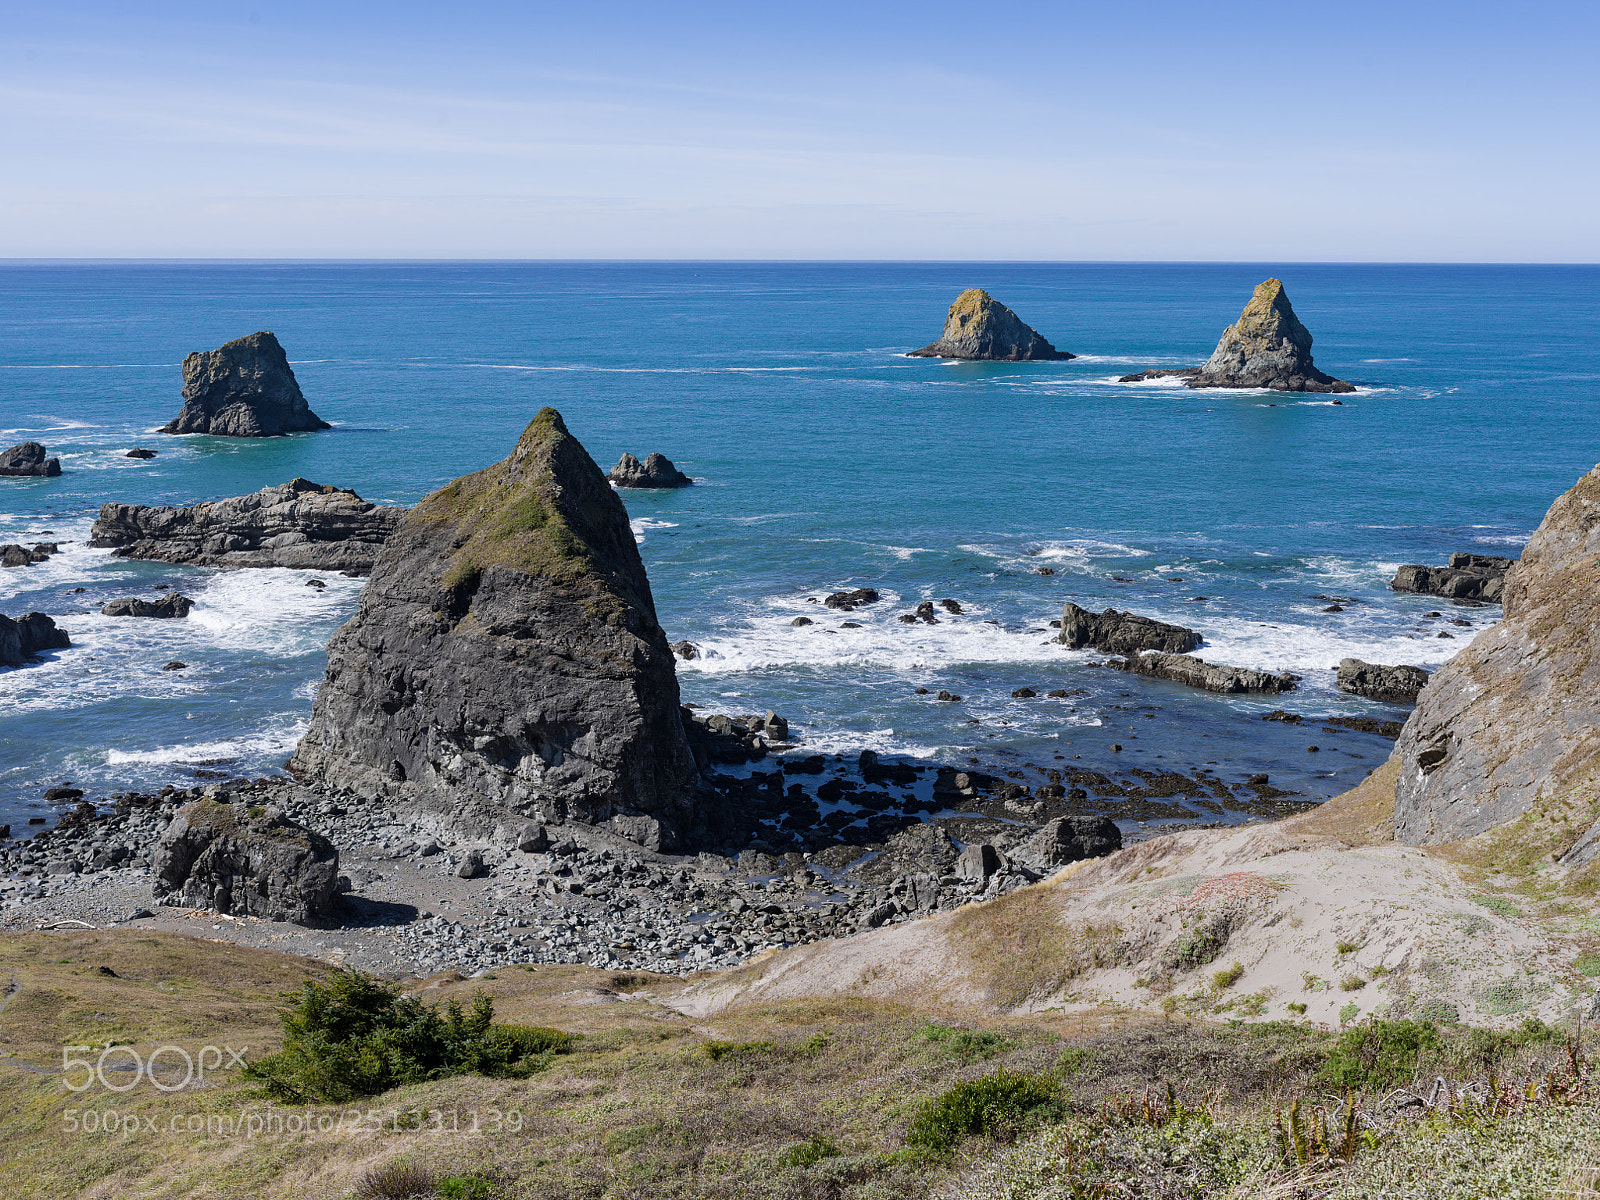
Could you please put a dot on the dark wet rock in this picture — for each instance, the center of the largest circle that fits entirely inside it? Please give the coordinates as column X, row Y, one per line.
column 980, row 327
column 1278, row 714
column 951, row 606
column 1386, row 729
column 28, row 459
column 15, row 556
column 686, row 650
column 656, row 471
column 1024, row 693
column 1160, row 373
column 1070, row 839
column 57, row 794
column 1045, row 571
column 299, row 524
column 1114, row 632
column 507, row 654
column 1396, row 685
column 847, row 601
column 175, row 665
column 1334, row 608
column 141, row 452
column 907, row 618
column 925, row 613
column 1213, row 677
column 30, row 634
column 173, row 605
column 944, row 695
column 244, row 388
column 1479, row 577
column 799, row 621
column 245, row 861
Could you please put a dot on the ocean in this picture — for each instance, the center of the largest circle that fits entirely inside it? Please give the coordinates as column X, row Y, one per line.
column 824, row 459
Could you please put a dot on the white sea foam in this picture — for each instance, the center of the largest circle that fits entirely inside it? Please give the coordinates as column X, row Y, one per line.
column 272, row 609
column 1508, row 539
column 642, row 525
column 270, row 743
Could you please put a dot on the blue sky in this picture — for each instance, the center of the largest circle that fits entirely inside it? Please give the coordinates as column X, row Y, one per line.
column 1236, row 131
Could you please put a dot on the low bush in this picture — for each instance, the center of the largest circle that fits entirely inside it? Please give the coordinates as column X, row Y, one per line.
column 717, row 1051
column 464, row 1187
column 1001, row 1105
column 1229, row 977
column 1378, row 1055
column 396, row 1181
column 966, row 1046
column 355, row 1036
column 808, row 1153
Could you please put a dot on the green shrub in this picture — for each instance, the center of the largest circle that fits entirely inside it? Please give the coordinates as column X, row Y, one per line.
column 1352, row 983
column 1200, row 946
column 967, row 1046
column 1073, row 1059
column 1298, row 1009
column 999, row 1105
column 717, row 1051
column 464, row 1187
column 1344, row 947
column 1226, row 979
column 1438, row 1012
column 1378, row 1055
column 1498, row 906
column 1349, row 1013
column 808, row 1153
column 355, row 1036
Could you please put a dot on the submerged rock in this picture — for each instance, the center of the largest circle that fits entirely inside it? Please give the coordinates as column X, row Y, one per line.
column 1213, row 677
column 656, row 471
column 1396, row 685
column 170, row 606
column 1267, row 347
column 247, row 862
column 505, row 662
column 1478, row 577
column 28, row 459
column 980, row 327
column 28, row 635
column 1515, row 717
column 1113, row 632
column 244, row 388
column 141, row 452
column 299, row 524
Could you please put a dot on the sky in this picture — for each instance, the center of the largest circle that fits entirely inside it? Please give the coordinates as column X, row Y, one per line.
column 937, row 131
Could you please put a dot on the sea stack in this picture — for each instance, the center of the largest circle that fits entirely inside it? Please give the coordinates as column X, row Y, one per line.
column 980, row 327
column 28, row 459
column 1267, row 347
column 1513, row 721
column 656, row 471
column 505, row 663
column 243, row 389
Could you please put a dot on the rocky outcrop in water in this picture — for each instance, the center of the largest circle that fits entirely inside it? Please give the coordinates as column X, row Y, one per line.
column 28, row 459
column 506, row 664
column 1113, row 632
column 1196, row 672
column 656, row 471
column 21, row 556
column 30, row 634
column 1395, row 685
column 171, row 606
column 243, row 389
column 980, row 327
column 1478, row 577
column 1267, row 347
column 1515, row 717
column 310, row 526
column 246, row 862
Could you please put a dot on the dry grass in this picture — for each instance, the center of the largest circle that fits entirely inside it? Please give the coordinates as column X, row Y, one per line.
column 1023, row 950
column 1363, row 816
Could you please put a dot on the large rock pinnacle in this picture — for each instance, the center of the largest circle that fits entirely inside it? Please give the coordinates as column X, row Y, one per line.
column 1267, row 347
column 243, row 389
column 980, row 327
column 505, row 662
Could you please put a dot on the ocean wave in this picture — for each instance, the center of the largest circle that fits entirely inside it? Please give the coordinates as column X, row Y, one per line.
column 272, row 743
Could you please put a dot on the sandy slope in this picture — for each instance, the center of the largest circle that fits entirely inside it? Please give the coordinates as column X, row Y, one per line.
column 1303, row 906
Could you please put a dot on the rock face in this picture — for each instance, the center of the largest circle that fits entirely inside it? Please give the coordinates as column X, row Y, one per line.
column 1114, row 632
column 656, row 471
column 980, row 327
column 28, row 459
column 1468, row 577
column 1396, row 685
column 1070, row 839
column 26, row 636
column 506, row 664
column 1515, row 717
column 243, row 389
column 248, row 862
column 21, row 556
column 1196, row 672
column 1267, row 347
column 172, row 605
column 311, row 526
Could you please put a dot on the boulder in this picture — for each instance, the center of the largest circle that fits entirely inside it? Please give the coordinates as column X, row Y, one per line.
column 980, row 327
column 1267, row 347
column 141, row 452
column 847, row 601
column 1213, row 677
column 531, row 838
column 28, row 459
column 505, row 660
column 978, row 862
column 656, row 471
column 300, row 524
column 1070, row 839
column 1514, row 718
column 245, row 861
column 1395, row 685
column 686, row 650
column 243, row 389
column 12, row 555
column 1478, row 577
column 28, row 635
column 1113, row 632
column 172, row 605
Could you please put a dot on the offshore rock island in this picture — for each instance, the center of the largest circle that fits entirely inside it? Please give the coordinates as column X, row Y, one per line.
column 244, row 388
column 980, row 328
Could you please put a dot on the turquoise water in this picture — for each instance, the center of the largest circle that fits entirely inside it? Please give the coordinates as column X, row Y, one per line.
column 825, row 460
